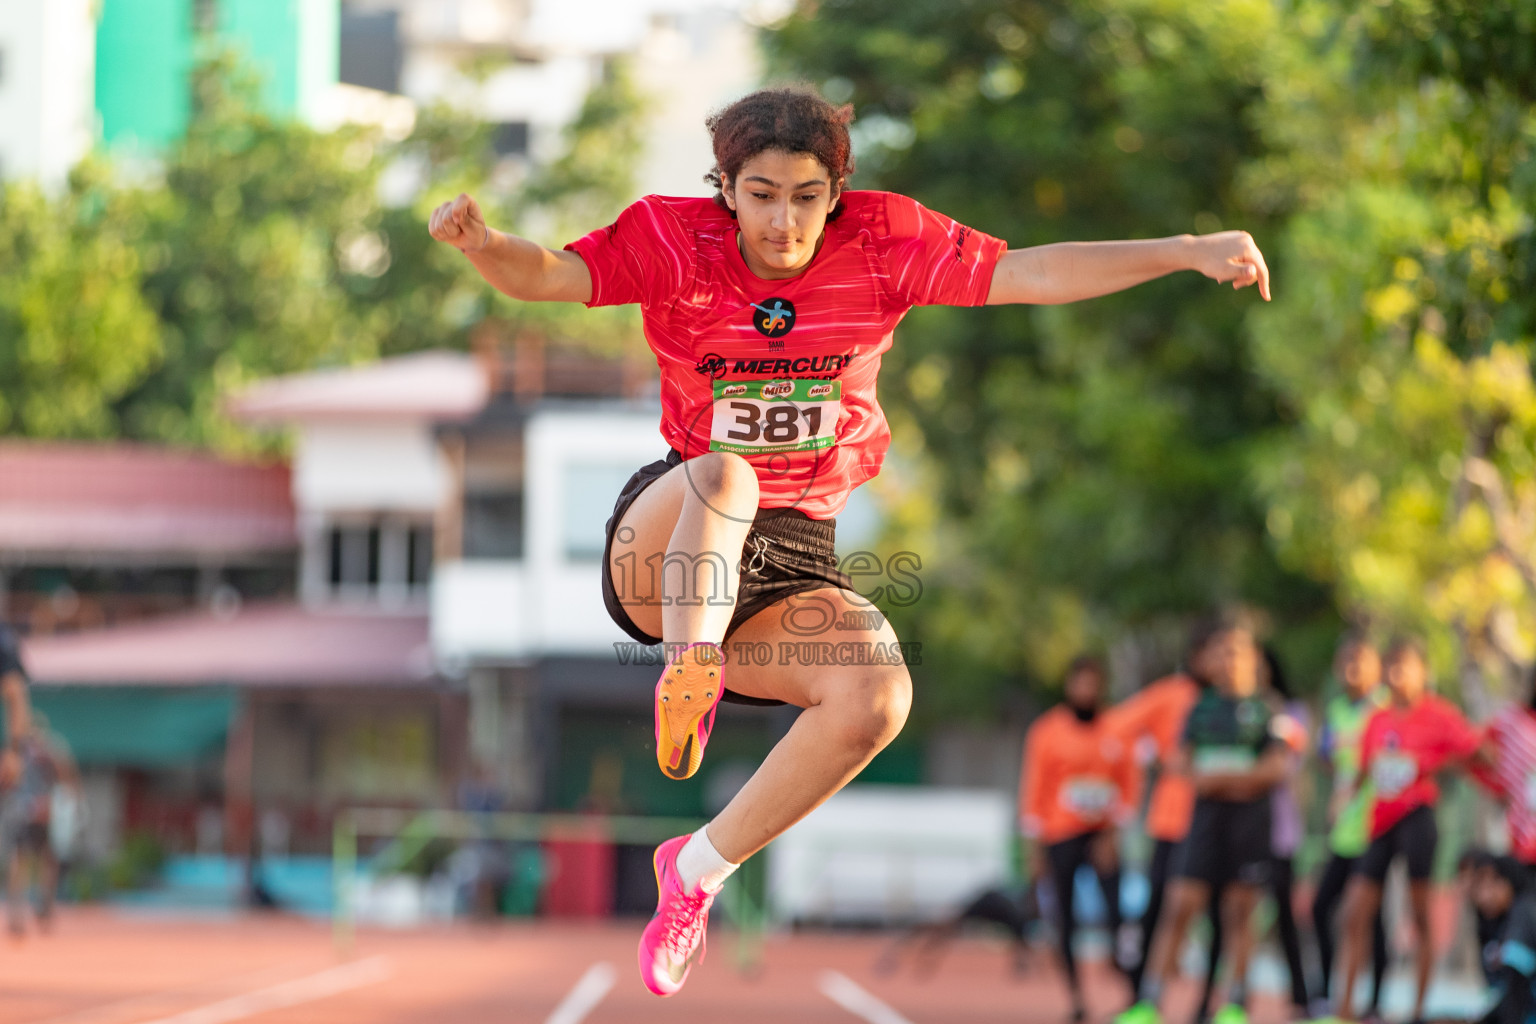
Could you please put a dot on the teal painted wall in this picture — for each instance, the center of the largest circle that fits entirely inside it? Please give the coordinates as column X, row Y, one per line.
column 143, row 60
column 145, row 50
column 294, row 44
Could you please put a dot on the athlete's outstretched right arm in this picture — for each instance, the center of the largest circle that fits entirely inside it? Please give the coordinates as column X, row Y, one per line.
column 512, row 265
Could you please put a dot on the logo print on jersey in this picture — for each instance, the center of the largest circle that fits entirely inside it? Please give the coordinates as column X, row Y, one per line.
column 712, row 365
column 774, row 318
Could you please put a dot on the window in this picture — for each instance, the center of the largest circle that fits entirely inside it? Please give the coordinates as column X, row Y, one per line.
column 511, row 138
column 418, row 562
column 493, row 524
column 590, row 491
column 354, row 556
column 371, row 52
column 364, row 556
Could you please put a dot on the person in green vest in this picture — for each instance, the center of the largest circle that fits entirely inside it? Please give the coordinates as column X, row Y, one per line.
column 1357, row 665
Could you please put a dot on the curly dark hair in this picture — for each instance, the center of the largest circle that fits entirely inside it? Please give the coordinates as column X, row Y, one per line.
column 791, row 118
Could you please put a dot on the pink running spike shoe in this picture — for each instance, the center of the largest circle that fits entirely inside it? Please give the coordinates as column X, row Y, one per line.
column 686, row 698
column 673, row 941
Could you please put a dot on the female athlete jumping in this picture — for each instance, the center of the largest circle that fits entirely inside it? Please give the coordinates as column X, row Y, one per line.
column 768, row 308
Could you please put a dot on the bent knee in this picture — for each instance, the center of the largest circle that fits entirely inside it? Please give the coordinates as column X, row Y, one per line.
column 1186, row 899
column 723, row 477
column 874, row 708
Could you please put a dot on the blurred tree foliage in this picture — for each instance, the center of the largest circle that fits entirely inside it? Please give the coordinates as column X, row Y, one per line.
column 1071, row 475
column 76, row 332
column 1082, row 473
column 1401, row 340
column 261, row 247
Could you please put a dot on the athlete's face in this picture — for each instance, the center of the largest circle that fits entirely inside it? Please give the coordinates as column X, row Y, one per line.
column 1234, row 661
column 781, row 202
column 1407, row 675
column 1491, row 892
column 1084, row 688
column 1360, row 668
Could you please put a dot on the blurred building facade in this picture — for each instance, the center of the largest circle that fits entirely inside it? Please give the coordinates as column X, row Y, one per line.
column 78, row 73
column 47, row 64
column 236, row 651
column 146, row 49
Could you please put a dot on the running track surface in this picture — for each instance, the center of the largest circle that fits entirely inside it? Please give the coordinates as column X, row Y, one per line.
column 102, row 967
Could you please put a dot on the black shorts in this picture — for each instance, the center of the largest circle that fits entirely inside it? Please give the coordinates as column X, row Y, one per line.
column 22, row 837
column 1415, row 837
column 1228, row 842
column 786, row 553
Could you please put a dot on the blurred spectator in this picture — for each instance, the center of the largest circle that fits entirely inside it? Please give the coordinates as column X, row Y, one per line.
column 1357, row 665
column 36, row 767
column 1287, row 829
column 479, row 868
column 1472, row 868
column 1077, row 787
column 1500, row 895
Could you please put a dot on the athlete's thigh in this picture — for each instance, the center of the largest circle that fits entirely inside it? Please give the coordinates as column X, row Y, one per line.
column 802, row 648
column 640, row 540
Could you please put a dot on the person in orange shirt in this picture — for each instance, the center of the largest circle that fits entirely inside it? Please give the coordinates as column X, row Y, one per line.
column 1152, row 720
column 1079, row 782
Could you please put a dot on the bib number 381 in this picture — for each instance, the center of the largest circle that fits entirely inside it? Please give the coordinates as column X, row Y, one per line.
column 759, row 416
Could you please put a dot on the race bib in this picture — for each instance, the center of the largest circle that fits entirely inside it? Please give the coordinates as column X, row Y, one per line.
column 1393, row 773
column 1222, row 760
column 758, row 416
column 1087, row 796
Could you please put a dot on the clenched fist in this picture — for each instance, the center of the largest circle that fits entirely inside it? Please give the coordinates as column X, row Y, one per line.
column 460, row 224
column 1232, row 256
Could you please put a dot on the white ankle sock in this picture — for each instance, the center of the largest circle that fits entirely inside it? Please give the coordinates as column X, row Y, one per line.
column 699, row 863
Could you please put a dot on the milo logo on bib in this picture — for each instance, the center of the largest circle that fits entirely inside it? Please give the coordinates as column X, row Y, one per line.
column 756, row 417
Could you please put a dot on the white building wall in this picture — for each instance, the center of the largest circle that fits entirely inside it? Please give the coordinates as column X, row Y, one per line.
column 690, row 65
column 380, row 466
column 551, row 601
column 691, row 57
column 47, row 82
column 596, row 452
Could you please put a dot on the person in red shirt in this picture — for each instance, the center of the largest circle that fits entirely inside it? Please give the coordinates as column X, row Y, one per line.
column 1078, row 783
column 1404, row 744
column 1510, row 753
column 768, row 308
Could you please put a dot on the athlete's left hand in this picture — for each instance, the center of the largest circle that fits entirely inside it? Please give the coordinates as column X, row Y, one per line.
column 1231, row 256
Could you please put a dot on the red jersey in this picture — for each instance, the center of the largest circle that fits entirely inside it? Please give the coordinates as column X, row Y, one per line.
column 783, row 372
column 1078, row 777
column 1402, row 749
column 1513, row 735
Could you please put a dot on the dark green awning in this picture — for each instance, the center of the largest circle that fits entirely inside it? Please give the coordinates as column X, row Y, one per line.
column 138, row 726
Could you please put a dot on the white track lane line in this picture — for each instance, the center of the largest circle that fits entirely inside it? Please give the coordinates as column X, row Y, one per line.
column 119, row 1010
column 590, row 989
column 848, row 994
column 329, row 982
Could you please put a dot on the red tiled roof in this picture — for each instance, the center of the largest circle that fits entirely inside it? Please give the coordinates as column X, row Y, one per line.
column 116, row 497
column 259, row 645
